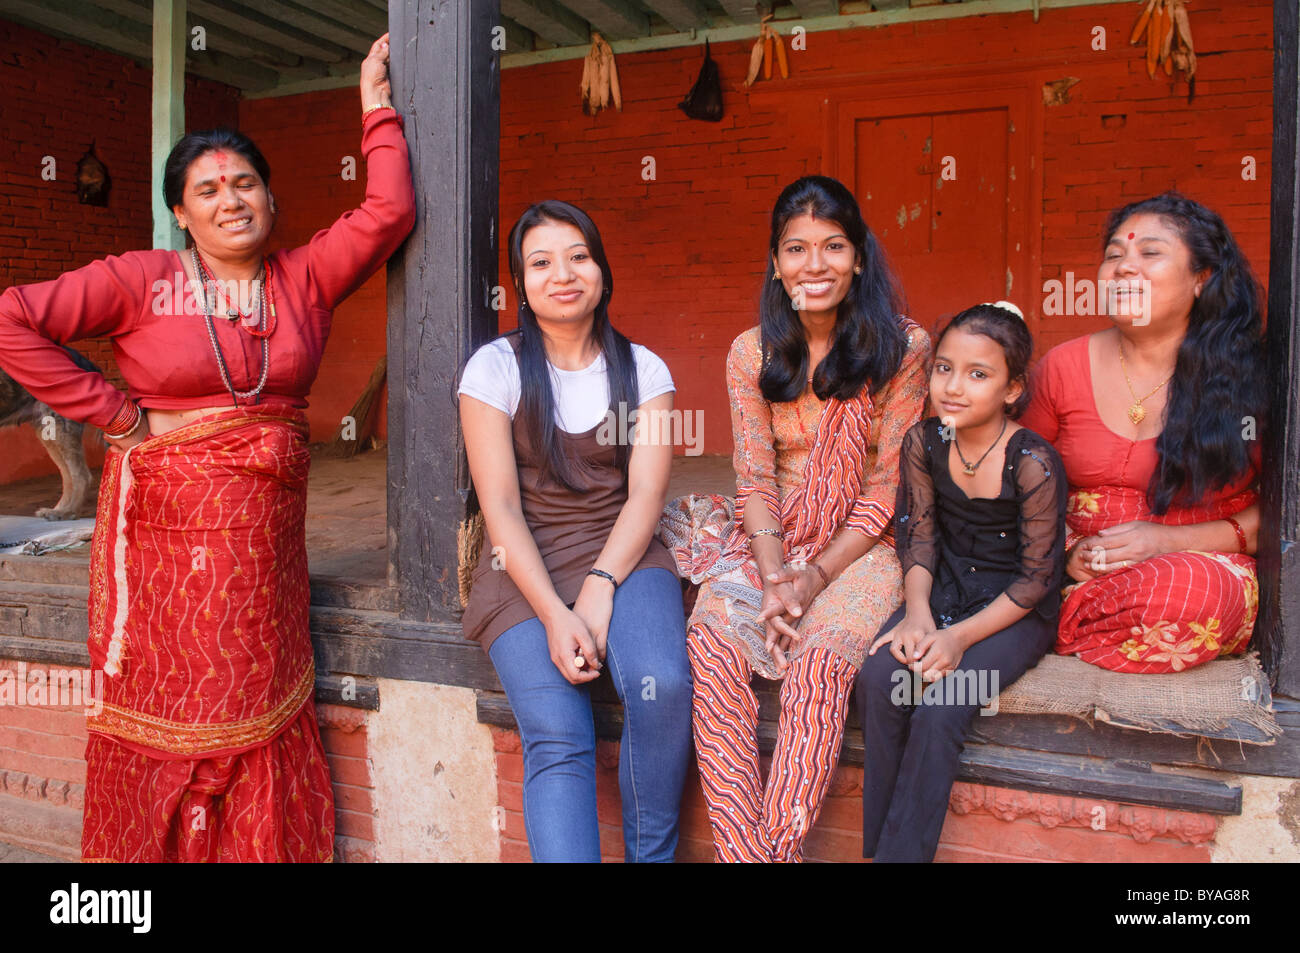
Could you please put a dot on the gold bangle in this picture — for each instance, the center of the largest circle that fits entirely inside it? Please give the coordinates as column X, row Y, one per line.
column 369, row 109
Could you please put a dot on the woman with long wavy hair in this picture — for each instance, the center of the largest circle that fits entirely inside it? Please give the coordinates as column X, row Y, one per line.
column 571, row 578
column 1158, row 422
column 207, row 748
column 800, row 571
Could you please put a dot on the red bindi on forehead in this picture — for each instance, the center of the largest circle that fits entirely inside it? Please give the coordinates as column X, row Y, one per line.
column 223, row 178
column 1131, row 236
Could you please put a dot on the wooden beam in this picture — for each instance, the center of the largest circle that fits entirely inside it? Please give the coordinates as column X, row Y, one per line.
column 786, row 18
column 268, row 30
column 682, row 15
column 311, row 23
column 742, row 11
column 446, row 82
column 549, row 20
column 519, row 39
column 612, row 17
column 360, row 18
column 821, row 8
column 1278, row 628
column 167, row 123
column 271, row 64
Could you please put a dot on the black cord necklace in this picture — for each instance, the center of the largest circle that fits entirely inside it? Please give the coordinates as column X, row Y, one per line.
column 969, row 468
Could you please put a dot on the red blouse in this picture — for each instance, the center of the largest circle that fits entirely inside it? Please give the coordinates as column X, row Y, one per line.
column 142, row 300
column 1063, row 410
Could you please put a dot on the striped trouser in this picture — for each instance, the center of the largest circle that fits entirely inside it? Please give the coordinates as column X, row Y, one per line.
column 752, row 822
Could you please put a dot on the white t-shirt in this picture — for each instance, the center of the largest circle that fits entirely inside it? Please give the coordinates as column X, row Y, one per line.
column 581, row 397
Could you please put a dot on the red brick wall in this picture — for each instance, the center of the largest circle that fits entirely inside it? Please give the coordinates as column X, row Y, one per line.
column 305, row 139
column 59, row 97
column 688, row 249
column 984, row 823
column 43, row 775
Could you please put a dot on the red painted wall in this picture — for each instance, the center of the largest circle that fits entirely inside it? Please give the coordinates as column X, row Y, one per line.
column 688, row 249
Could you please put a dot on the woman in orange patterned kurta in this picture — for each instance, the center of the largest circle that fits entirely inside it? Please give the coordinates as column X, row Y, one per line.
column 796, row 580
column 1157, row 421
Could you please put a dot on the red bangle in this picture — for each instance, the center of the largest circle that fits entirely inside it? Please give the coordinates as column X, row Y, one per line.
column 826, row 581
column 124, row 422
column 1241, row 535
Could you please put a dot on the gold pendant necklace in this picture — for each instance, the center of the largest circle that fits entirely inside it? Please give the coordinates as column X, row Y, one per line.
column 1137, row 413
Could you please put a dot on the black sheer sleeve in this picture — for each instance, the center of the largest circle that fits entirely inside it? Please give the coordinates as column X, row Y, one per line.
column 1041, row 491
column 916, row 528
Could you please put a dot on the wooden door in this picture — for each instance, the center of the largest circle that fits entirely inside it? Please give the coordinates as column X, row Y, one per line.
column 938, row 187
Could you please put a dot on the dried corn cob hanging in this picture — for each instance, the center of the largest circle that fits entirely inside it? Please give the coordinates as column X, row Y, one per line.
column 600, row 88
column 767, row 48
column 1168, row 37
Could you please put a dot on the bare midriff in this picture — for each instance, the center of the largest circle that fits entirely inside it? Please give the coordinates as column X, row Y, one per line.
column 165, row 421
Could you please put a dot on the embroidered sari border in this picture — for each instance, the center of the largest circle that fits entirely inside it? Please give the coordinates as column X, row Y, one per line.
column 175, row 737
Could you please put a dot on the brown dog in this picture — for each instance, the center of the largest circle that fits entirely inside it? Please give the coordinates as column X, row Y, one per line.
column 62, row 440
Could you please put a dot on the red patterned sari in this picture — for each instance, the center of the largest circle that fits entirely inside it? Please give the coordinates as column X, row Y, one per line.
column 207, row 747
column 1166, row 613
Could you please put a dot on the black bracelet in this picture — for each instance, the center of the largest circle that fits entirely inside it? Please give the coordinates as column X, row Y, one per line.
column 603, row 575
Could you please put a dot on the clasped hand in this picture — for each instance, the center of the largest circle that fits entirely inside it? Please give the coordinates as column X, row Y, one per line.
column 1116, row 547
column 916, row 642
column 785, row 595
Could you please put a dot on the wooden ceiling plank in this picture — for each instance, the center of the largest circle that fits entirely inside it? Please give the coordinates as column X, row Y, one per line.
column 817, row 8
column 236, row 17
column 741, row 11
column 682, row 15
column 310, row 22
column 548, row 20
column 613, row 18
column 518, row 37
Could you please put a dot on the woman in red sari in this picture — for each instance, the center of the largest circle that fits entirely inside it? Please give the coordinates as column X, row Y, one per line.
column 1157, row 420
column 207, row 746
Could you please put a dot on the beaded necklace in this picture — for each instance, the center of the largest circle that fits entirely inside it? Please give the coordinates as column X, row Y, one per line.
column 265, row 307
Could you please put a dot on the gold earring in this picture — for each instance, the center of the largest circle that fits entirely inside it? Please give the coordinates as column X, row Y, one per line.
column 857, row 269
column 776, row 275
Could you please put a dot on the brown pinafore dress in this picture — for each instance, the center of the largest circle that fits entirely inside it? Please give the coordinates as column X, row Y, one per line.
column 570, row 529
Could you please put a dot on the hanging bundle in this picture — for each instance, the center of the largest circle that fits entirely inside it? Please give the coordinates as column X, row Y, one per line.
column 769, row 47
column 1168, row 32
column 93, row 180
column 704, row 101
column 600, row 87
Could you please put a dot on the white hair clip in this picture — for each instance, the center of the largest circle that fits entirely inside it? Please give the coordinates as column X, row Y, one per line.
column 1006, row 306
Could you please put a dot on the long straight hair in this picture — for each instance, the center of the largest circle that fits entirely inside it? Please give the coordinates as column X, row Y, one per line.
column 1219, row 374
column 868, row 343
column 537, row 397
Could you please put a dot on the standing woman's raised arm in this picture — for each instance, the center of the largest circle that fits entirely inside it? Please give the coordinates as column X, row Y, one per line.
column 340, row 258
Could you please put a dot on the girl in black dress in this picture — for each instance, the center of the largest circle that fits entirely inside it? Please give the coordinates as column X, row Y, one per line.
column 980, row 530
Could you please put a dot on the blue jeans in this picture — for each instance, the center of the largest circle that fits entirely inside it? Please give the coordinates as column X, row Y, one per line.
column 646, row 658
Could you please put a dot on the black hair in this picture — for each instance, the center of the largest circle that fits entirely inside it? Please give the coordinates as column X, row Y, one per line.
column 1219, row 375
column 536, row 399
column 195, row 144
column 1009, row 331
column 868, row 343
